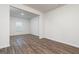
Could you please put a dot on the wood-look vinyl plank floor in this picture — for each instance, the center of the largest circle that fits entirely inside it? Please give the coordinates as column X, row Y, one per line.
column 30, row 44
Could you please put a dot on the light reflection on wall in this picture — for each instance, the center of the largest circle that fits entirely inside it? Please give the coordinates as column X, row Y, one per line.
column 19, row 26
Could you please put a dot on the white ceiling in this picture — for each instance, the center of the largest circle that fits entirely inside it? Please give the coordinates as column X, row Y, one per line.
column 44, row 7
column 15, row 12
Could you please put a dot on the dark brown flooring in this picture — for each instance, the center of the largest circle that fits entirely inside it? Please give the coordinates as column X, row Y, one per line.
column 29, row 44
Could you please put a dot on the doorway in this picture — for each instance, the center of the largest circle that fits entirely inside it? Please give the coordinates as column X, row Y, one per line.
column 23, row 22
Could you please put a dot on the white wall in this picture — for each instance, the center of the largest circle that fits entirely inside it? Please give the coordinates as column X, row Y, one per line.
column 34, row 26
column 25, row 27
column 4, row 26
column 30, row 26
column 62, row 24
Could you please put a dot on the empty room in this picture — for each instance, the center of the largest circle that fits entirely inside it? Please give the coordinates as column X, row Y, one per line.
column 39, row 29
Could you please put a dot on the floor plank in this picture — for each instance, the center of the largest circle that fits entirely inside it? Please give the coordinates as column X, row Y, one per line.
column 30, row 44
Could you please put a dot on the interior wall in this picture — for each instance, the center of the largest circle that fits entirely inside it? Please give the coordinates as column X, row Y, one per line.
column 62, row 24
column 4, row 25
column 34, row 26
column 25, row 26
column 30, row 26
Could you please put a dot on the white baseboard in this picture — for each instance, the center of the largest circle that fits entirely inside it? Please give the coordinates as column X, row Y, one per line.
column 18, row 34
column 74, row 45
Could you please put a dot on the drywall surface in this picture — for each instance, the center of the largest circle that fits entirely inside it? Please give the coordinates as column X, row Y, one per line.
column 62, row 24
column 23, row 26
column 34, row 26
column 4, row 26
